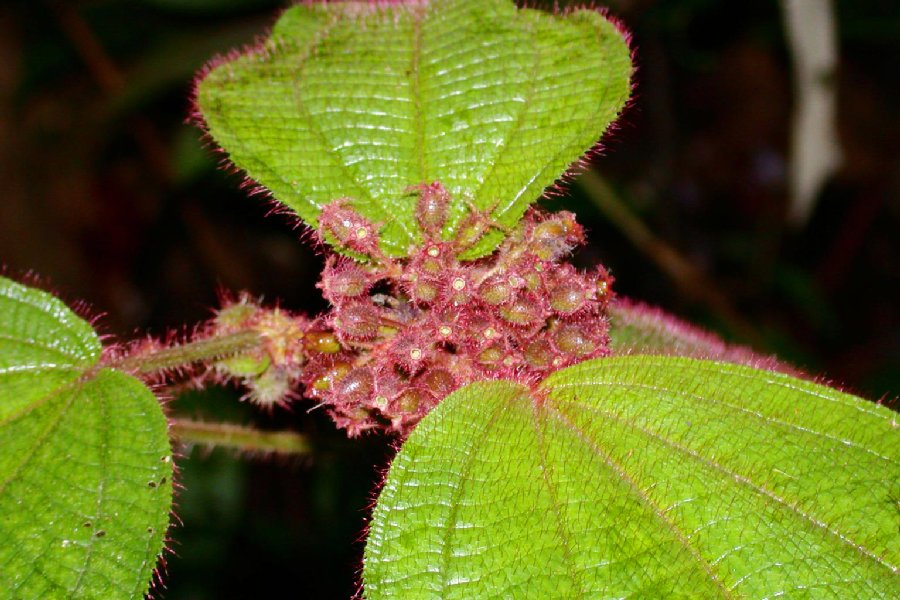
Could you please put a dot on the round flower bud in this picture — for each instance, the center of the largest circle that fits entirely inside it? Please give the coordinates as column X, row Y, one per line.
column 567, row 296
column 458, row 289
column 472, row 228
column 521, row 312
column 490, row 356
column 355, row 387
column 572, row 340
column 409, row 401
column 251, row 364
column 344, row 279
column 539, row 353
column 411, row 351
column 495, row 290
column 438, row 381
column 327, row 380
column 358, row 321
column 431, row 208
column 271, row 388
column 423, row 291
column 349, row 228
column 323, row 342
column 237, row 314
column 555, row 237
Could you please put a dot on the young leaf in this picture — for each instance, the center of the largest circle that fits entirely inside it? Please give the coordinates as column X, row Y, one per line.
column 636, row 328
column 362, row 100
column 640, row 476
column 85, row 467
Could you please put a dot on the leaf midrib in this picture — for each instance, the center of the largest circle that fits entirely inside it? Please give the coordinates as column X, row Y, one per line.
column 51, row 427
column 554, row 500
column 644, row 498
column 100, row 515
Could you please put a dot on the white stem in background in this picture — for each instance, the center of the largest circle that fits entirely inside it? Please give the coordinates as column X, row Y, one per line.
column 815, row 150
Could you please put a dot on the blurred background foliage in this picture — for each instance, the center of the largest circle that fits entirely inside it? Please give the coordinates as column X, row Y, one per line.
column 111, row 197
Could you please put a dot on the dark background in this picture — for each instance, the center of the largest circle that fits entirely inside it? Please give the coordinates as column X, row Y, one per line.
column 109, row 196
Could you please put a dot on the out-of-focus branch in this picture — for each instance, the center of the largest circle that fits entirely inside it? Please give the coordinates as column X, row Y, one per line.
column 692, row 282
column 110, row 79
column 815, row 150
column 239, row 437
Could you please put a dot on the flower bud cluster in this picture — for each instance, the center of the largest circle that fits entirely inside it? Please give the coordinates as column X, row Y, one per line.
column 271, row 371
column 404, row 333
column 409, row 331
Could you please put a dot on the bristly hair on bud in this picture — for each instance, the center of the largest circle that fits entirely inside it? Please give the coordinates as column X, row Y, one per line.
column 556, row 237
column 431, row 208
column 402, row 334
column 270, row 372
column 343, row 279
column 409, row 331
column 472, row 229
column 340, row 221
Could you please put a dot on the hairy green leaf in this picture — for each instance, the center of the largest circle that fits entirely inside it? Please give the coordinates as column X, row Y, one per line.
column 641, row 329
column 636, row 328
column 358, row 100
column 85, row 467
column 640, row 476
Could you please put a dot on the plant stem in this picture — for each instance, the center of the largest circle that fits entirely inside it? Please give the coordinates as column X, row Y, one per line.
column 210, row 348
column 238, row 437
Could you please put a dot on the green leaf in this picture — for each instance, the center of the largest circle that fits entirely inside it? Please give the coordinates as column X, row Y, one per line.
column 350, row 99
column 85, row 467
column 640, row 476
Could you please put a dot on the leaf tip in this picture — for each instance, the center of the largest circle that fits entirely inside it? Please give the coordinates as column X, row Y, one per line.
column 613, row 129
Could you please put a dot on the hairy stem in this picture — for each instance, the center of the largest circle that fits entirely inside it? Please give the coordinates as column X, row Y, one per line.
column 210, row 348
column 239, row 437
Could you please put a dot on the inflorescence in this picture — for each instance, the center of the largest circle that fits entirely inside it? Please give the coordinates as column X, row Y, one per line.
column 402, row 334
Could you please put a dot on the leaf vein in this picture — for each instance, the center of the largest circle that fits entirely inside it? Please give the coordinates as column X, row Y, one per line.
column 744, row 480
column 660, row 514
column 554, row 500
